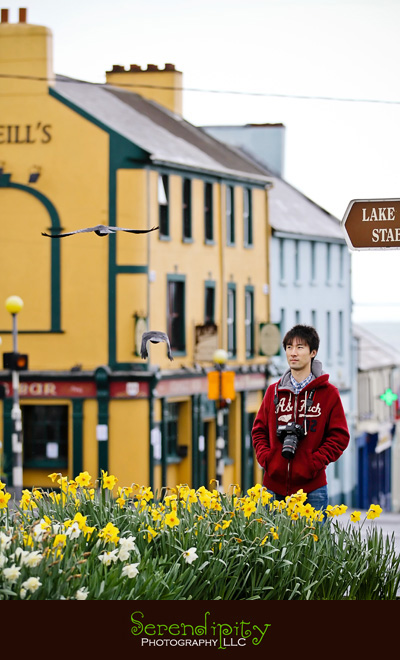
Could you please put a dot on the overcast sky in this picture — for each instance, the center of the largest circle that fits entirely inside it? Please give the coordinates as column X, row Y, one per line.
column 271, row 53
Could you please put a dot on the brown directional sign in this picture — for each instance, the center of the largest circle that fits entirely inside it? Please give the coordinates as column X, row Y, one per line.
column 372, row 224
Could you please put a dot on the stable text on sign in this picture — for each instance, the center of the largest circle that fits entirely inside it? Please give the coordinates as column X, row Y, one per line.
column 372, row 224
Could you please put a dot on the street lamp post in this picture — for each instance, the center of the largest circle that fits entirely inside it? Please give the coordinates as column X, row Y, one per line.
column 14, row 304
column 220, row 358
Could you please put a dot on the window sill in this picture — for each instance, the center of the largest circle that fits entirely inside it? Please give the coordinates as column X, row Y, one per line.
column 164, row 237
column 186, row 239
column 173, row 459
column 45, row 465
column 209, row 241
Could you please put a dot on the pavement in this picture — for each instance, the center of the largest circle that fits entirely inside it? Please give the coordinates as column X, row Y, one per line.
column 388, row 522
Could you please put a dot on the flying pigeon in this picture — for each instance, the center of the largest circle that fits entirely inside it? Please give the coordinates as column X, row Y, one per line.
column 101, row 230
column 155, row 337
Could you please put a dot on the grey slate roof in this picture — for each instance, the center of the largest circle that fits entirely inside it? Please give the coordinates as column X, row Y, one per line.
column 164, row 136
column 290, row 211
column 373, row 352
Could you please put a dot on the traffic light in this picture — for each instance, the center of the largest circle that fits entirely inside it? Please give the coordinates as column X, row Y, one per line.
column 15, row 361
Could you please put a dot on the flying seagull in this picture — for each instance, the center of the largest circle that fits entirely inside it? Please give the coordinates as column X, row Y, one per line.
column 155, row 337
column 101, row 230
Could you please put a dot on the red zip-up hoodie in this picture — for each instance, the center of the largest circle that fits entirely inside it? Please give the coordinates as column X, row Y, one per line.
column 325, row 426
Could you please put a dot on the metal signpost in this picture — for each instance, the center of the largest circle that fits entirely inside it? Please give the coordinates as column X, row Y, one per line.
column 17, row 361
column 221, row 388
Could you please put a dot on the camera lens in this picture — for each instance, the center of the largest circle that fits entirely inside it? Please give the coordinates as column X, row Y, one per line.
column 289, row 446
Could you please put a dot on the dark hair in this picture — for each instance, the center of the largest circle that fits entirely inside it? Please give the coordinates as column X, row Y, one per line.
column 305, row 332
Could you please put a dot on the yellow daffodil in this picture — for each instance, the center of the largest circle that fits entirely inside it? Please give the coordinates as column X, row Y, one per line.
column 265, row 497
column 307, row 510
column 109, row 481
column 110, row 533
column 355, row 516
column 88, row 531
column 249, row 507
column 121, row 501
column 171, row 501
column 215, row 504
column 315, row 537
column 374, row 511
column 4, row 497
column 330, row 511
column 84, row 479
column 151, row 533
column 53, row 476
column 2, row 485
column 59, row 540
column 171, row 519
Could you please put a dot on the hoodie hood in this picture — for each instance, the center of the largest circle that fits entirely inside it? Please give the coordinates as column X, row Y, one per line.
column 316, row 370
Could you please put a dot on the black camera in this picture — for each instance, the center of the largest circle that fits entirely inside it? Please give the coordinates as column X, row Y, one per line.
column 290, row 436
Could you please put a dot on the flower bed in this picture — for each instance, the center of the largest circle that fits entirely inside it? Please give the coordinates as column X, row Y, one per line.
column 78, row 542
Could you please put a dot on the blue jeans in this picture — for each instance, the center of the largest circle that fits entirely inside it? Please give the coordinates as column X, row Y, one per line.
column 318, row 498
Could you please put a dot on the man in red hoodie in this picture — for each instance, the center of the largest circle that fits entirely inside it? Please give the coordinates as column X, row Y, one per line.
column 300, row 427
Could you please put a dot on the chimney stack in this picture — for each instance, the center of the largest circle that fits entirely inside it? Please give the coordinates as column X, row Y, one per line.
column 164, row 86
column 26, row 55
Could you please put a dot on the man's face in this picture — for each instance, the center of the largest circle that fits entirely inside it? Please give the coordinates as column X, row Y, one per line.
column 299, row 356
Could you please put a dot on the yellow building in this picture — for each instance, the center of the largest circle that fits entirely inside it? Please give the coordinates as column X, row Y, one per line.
column 76, row 155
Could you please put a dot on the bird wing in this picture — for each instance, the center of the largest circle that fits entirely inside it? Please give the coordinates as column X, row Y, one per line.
column 143, row 347
column 69, row 233
column 155, row 336
column 133, row 231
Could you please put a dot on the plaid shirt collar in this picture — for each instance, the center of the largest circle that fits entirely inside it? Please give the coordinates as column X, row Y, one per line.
column 299, row 386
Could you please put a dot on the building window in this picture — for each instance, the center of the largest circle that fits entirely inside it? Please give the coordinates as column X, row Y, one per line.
column 231, row 320
column 328, row 263
column 313, row 262
column 247, row 218
column 208, row 213
column 171, row 412
column 249, row 321
column 341, row 264
column 297, row 261
column 313, row 318
column 282, row 327
column 176, row 312
column 209, row 302
column 187, row 209
column 282, row 259
column 225, row 431
column 45, row 436
column 230, row 215
column 341, row 334
column 297, row 317
column 328, row 336
column 163, row 206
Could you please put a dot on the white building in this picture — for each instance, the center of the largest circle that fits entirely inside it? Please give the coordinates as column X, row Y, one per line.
column 310, row 279
column 378, row 426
